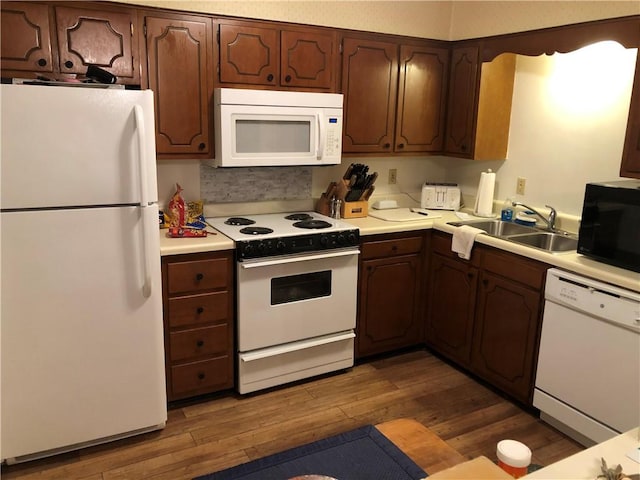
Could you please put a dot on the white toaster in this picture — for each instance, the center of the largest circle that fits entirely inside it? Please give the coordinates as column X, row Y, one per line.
column 440, row 196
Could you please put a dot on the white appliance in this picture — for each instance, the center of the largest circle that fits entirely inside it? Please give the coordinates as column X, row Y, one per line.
column 297, row 278
column 81, row 335
column 588, row 376
column 257, row 128
column 440, row 196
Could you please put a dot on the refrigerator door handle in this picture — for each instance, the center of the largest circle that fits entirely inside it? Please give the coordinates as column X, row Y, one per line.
column 144, row 198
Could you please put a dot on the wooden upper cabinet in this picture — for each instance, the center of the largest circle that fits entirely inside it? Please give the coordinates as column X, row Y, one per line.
column 265, row 55
column 369, row 85
column 479, row 107
column 179, row 63
column 26, row 37
column 57, row 41
column 249, row 54
column 631, row 155
column 421, row 99
column 101, row 38
column 307, row 59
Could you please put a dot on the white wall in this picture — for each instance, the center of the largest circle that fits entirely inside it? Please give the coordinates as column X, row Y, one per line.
column 568, row 123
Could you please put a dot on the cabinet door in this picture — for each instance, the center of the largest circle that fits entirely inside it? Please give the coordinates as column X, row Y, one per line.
column 369, row 85
column 422, row 90
column 307, row 59
column 463, row 97
column 26, row 37
column 178, row 55
column 94, row 37
column 506, row 335
column 388, row 310
column 249, row 55
column 451, row 307
column 631, row 157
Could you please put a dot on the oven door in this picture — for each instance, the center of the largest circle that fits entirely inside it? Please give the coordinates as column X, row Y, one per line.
column 291, row 298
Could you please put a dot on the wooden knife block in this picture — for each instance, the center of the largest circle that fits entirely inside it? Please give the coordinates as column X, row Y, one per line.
column 347, row 209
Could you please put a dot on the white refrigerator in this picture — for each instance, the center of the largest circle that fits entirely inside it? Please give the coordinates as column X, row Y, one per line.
column 82, row 350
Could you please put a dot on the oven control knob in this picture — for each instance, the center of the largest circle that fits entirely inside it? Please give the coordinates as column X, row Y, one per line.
column 324, row 240
column 352, row 239
column 341, row 239
column 248, row 249
column 280, row 246
column 261, row 248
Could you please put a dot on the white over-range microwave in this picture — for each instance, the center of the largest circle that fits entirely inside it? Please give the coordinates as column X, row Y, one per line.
column 258, row 128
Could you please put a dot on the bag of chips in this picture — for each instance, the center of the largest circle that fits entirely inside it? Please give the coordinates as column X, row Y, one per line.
column 177, row 208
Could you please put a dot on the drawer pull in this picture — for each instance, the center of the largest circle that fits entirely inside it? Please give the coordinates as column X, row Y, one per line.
column 200, row 310
column 200, row 343
column 201, row 376
column 42, row 62
column 68, row 64
column 199, row 277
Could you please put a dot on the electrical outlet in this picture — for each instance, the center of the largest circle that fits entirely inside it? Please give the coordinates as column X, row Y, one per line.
column 393, row 176
column 521, row 183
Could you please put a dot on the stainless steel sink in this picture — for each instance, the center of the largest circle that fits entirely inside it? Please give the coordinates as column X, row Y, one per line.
column 496, row 228
column 552, row 242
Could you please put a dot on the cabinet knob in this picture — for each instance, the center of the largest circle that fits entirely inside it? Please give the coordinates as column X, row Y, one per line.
column 387, row 145
column 270, row 77
column 42, row 62
column 200, row 343
column 200, row 310
column 463, row 147
column 401, row 145
column 201, row 375
column 287, row 78
column 199, row 276
column 68, row 64
column 202, row 146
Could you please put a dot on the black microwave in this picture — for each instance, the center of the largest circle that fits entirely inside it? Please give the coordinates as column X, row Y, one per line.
column 610, row 226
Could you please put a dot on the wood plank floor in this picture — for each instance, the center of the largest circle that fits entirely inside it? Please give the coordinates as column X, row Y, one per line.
column 225, row 431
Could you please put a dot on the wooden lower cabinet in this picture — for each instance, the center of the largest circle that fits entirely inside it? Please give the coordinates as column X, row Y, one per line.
column 485, row 314
column 389, row 293
column 198, row 323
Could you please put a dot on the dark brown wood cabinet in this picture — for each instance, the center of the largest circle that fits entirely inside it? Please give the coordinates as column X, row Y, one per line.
column 479, row 105
column 179, row 71
column 389, row 294
column 394, row 96
column 59, row 40
column 261, row 54
column 450, row 301
column 485, row 314
column 198, row 323
column 630, row 166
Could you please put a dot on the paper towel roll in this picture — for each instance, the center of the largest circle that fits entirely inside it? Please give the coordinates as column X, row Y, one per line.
column 484, row 199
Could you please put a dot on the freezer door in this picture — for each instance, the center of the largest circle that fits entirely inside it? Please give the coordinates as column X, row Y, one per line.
column 65, row 146
column 82, row 347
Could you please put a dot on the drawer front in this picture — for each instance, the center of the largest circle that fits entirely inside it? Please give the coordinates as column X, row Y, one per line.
column 521, row 269
column 199, row 309
column 197, row 275
column 199, row 342
column 201, row 377
column 386, row 248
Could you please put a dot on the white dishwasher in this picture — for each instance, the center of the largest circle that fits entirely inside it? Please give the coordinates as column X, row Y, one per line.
column 588, row 376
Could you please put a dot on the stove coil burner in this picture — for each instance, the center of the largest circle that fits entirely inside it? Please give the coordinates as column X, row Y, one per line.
column 255, row 230
column 312, row 224
column 239, row 221
column 298, row 216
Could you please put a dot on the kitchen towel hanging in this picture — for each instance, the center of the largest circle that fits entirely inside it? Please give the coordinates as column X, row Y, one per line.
column 484, row 199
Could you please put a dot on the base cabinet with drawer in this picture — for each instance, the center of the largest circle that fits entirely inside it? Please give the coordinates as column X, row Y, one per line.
column 389, row 293
column 485, row 314
column 198, row 323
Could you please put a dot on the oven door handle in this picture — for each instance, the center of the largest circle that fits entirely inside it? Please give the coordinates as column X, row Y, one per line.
column 295, row 259
column 295, row 346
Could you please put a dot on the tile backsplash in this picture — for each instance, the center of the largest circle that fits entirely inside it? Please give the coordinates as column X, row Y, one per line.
column 227, row 185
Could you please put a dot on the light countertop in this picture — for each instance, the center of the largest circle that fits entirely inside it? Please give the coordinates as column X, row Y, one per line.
column 571, row 261
column 585, row 465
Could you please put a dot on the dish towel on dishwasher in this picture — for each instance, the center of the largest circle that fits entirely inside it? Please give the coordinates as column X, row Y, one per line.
column 463, row 238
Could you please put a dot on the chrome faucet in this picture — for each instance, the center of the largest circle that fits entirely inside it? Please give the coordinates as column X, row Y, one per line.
column 550, row 221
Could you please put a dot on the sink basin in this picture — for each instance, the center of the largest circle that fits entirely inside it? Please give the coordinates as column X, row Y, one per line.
column 550, row 242
column 497, row 228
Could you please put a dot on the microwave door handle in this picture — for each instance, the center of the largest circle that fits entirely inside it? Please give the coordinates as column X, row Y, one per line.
column 320, row 140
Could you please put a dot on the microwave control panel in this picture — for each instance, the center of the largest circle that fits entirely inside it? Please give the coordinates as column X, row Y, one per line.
column 333, row 138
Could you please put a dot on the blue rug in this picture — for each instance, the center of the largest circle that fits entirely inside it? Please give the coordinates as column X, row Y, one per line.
column 361, row 454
